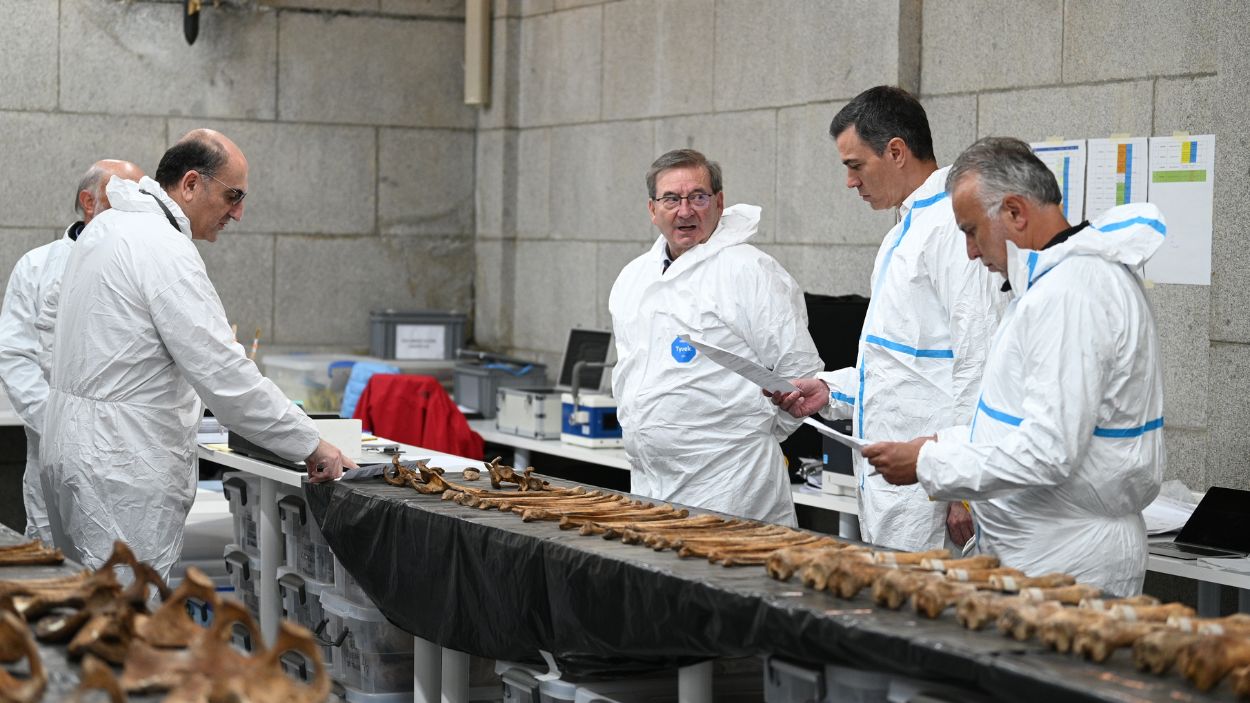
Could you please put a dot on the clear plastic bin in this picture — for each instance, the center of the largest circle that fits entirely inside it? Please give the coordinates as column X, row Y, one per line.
column 373, row 656
column 244, row 570
column 243, row 491
column 346, row 586
column 846, row 685
column 317, row 380
column 301, row 603
column 306, row 550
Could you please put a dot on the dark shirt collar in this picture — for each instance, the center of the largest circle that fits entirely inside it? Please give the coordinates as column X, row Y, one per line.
column 75, row 230
column 668, row 260
column 1054, row 241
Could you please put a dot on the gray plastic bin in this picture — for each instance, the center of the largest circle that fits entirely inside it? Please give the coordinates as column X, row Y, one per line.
column 419, row 334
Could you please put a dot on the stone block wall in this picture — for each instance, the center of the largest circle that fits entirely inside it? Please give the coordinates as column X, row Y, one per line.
column 351, row 114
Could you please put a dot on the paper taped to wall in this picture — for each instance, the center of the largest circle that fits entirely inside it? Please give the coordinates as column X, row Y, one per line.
column 751, row 371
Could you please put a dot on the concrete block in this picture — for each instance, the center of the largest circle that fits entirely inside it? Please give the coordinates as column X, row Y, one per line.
column 424, row 8
column 745, row 145
column 570, row 4
column 646, row 58
column 381, row 272
column 598, row 186
column 1229, row 443
column 1181, row 318
column 529, row 8
column 1073, row 112
column 965, row 48
column 14, row 243
column 1187, row 457
column 609, row 260
column 28, row 60
column 493, row 284
column 349, row 5
column 425, row 181
column 1229, row 257
column 1184, row 104
column 556, row 281
column 303, row 178
column 836, row 269
column 505, row 66
column 242, row 270
column 128, row 58
column 533, row 184
column 796, row 51
column 45, row 155
column 561, row 67
column 1113, row 39
column 489, row 175
column 371, row 70
column 953, row 122
column 813, row 202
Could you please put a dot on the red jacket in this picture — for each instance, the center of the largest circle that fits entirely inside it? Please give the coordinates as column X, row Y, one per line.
column 416, row 410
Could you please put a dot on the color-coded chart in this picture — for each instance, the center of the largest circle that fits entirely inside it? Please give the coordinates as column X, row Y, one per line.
column 1181, row 175
column 1116, row 174
column 1066, row 159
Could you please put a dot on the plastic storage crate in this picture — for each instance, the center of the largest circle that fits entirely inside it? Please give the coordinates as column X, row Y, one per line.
column 301, row 603
column 306, row 549
column 317, row 380
column 419, row 334
column 244, row 570
column 477, row 385
column 347, row 587
column 374, row 656
column 243, row 492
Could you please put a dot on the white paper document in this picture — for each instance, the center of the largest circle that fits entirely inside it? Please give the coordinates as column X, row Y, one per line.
column 1182, row 175
column 1166, row 515
column 853, row 442
column 751, row 371
column 1117, row 174
column 1067, row 161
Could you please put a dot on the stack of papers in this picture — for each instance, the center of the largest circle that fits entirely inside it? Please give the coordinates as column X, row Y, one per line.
column 1166, row 515
column 210, row 432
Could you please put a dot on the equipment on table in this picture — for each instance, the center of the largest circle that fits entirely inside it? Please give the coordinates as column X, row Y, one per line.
column 479, row 376
column 838, row 477
column 536, row 412
column 1216, row 529
column 589, row 419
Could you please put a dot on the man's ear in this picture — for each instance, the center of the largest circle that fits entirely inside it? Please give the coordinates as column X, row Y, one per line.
column 189, row 184
column 86, row 201
column 1017, row 211
column 896, row 151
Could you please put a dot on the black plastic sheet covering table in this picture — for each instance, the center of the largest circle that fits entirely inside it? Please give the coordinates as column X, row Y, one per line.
column 486, row 583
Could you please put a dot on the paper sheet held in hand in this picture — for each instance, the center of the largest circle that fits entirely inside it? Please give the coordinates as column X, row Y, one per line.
column 853, row 442
column 751, row 371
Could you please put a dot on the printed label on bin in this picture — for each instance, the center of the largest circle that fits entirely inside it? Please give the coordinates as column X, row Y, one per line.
column 420, row 341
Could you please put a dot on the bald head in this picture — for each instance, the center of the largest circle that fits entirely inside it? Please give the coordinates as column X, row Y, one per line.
column 92, row 198
column 206, row 174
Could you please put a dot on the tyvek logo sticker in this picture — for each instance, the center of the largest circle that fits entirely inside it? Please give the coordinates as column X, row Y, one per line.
column 683, row 352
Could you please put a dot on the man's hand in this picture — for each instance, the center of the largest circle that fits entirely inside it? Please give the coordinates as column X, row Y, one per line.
column 813, row 394
column 896, row 460
column 959, row 523
column 326, row 463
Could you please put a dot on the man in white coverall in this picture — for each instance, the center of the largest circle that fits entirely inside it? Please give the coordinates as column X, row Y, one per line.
column 1066, row 447
column 928, row 325
column 695, row 432
column 36, row 274
column 140, row 332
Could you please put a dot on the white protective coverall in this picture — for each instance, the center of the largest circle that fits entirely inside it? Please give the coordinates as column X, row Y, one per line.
column 1066, row 447
column 139, row 332
column 921, row 352
column 21, row 353
column 695, row 432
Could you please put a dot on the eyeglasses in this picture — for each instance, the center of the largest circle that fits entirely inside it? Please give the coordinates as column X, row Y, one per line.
column 698, row 201
column 236, row 195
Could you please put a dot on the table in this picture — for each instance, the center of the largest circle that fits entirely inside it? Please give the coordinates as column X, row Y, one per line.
column 523, row 446
column 1211, row 582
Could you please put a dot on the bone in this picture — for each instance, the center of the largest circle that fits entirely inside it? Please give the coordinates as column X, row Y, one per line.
column 1157, row 651
column 1235, row 624
column 1239, row 679
column 1098, row 640
column 1209, row 659
column 1011, row 584
column 783, row 563
column 29, row 554
column 976, row 610
column 1068, row 595
column 981, row 575
column 1060, row 629
column 568, row 522
column 171, row 626
column 816, row 573
column 981, row 561
column 893, row 588
column 1150, row 613
column 759, row 555
column 1021, row 621
column 1109, row 603
column 770, row 543
column 31, row 688
column 97, row 676
column 936, row 596
column 850, row 577
column 908, row 558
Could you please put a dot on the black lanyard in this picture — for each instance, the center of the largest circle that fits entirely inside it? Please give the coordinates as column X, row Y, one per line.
column 168, row 215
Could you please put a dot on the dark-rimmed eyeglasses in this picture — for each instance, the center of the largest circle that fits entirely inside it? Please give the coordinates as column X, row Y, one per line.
column 235, row 195
column 698, row 201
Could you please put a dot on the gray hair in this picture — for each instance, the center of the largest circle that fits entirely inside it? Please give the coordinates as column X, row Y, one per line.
column 94, row 180
column 1006, row 166
column 679, row 158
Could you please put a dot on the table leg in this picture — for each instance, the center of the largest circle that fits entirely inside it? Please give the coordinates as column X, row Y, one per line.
column 520, row 458
column 271, row 545
column 427, row 671
column 1208, row 599
column 1243, row 600
column 694, row 683
column 848, row 526
column 455, row 676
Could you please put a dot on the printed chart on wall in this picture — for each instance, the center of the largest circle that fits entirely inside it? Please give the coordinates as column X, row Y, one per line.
column 1067, row 160
column 1117, row 174
column 1182, row 186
